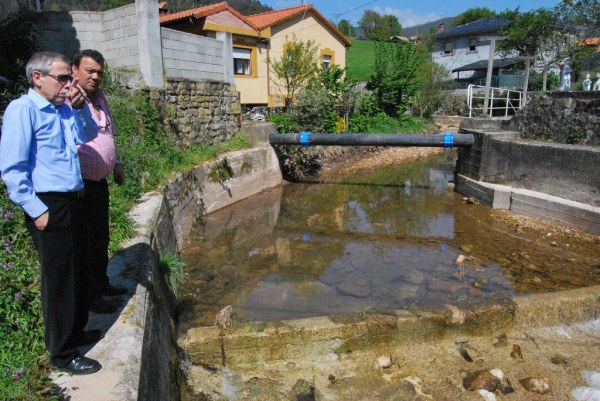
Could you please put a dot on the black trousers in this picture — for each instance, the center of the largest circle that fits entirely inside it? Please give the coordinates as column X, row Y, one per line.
column 95, row 208
column 61, row 249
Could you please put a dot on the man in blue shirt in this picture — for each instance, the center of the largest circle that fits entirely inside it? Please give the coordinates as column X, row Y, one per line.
column 40, row 167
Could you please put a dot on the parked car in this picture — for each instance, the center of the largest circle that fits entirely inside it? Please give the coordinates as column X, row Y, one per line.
column 257, row 113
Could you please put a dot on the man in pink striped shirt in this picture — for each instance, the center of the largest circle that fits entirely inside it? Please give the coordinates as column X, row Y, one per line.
column 99, row 158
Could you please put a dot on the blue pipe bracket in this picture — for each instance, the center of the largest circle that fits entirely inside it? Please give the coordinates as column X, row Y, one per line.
column 305, row 138
column 448, row 140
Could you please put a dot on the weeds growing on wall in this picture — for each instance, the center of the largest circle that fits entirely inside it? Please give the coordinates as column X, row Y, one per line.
column 149, row 156
column 173, row 268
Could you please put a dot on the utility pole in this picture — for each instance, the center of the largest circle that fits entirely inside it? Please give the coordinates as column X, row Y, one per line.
column 490, row 68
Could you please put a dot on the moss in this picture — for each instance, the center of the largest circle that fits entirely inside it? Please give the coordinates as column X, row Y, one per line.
column 221, row 172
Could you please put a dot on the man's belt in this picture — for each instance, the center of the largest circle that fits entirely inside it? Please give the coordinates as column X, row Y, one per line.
column 67, row 195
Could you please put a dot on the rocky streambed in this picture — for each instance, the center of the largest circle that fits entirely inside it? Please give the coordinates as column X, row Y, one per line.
column 538, row 347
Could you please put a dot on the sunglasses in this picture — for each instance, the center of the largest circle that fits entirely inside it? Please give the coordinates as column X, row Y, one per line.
column 62, row 79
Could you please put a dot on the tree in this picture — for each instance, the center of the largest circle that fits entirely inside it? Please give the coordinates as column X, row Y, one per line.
column 377, row 27
column 582, row 12
column 347, row 29
column 388, row 26
column 297, row 66
column 430, row 97
column 427, row 39
column 369, row 22
column 530, row 34
column 473, row 14
column 554, row 49
column 396, row 77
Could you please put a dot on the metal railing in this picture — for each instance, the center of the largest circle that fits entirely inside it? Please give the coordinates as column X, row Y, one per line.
column 500, row 99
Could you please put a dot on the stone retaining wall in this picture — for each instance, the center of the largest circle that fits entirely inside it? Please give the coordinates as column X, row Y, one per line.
column 199, row 113
column 561, row 117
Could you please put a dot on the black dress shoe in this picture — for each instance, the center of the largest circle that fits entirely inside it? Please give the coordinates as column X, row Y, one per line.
column 81, row 365
column 90, row 337
column 99, row 305
column 112, row 290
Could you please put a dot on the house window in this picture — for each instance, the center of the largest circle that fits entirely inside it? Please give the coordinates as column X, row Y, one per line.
column 449, row 48
column 242, row 64
column 472, row 44
column 327, row 58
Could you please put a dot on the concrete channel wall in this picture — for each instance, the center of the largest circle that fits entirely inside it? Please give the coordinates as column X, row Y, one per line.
column 138, row 351
column 253, row 171
column 553, row 181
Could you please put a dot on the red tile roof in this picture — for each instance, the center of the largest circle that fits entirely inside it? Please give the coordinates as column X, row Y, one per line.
column 202, row 12
column 590, row 42
column 270, row 18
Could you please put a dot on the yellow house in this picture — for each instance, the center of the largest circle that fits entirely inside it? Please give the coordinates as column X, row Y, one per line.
column 304, row 23
column 260, row 37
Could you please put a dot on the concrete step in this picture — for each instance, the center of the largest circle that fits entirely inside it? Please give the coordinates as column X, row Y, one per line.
column 531, row 203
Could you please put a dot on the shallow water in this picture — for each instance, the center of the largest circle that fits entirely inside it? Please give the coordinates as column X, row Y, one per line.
column 375, row 241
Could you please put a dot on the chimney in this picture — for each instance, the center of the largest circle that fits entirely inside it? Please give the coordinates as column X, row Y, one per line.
column 441, row 27
column 163, row 9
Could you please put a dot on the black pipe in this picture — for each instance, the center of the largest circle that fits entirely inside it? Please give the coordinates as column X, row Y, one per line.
column 447, row 140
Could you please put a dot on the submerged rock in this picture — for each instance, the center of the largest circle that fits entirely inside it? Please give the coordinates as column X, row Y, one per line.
column 537, row 385
column 487, row 396
column 384, row 362
column 302, row 391
column 481, row 379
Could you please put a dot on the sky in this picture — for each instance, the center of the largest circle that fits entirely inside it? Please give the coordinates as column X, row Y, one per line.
column 408, row 12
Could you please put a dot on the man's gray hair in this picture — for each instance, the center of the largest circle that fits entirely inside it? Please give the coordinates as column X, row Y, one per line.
column 42, row 62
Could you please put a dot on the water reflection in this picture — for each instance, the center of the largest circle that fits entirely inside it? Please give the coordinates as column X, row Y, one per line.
column 380, row 241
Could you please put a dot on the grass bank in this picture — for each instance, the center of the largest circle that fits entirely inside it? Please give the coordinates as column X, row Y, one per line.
column 360, row 60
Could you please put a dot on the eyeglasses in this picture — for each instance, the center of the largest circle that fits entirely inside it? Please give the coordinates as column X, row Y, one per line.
column 62, row 79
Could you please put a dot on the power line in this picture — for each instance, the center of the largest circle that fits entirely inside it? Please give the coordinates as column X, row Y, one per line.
column 354, row 9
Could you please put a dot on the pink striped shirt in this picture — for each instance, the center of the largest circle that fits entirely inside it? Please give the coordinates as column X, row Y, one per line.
column 98, row 157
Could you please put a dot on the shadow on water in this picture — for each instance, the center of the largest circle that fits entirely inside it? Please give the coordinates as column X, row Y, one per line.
column 378, row 241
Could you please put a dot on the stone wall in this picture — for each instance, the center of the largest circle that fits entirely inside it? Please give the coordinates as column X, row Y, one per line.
column 199, row 113
column 561, row 117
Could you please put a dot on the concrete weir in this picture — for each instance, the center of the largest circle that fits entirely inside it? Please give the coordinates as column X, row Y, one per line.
column 415, row 354
column 552, row 181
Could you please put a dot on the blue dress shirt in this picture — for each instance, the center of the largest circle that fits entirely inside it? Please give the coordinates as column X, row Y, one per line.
column 38, row 149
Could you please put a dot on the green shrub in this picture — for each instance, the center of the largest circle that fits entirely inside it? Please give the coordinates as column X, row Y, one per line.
column 24, row 366
column 286, row 123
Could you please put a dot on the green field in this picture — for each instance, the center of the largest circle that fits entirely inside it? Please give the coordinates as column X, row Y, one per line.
column 359, row 60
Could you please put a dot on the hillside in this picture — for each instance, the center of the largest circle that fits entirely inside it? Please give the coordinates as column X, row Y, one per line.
column 246, row 7
column 418, row 29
